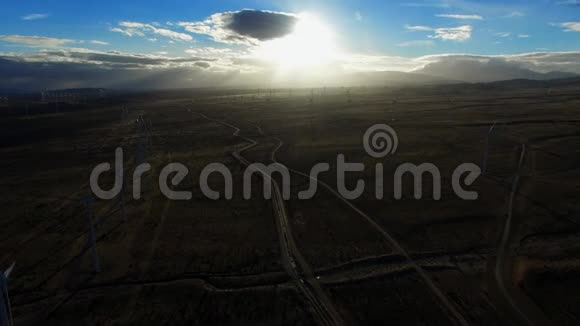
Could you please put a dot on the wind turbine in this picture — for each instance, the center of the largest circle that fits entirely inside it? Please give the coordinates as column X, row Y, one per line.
column 486, row 151
column 5, row 309
column 92, row 241
column 123, row 212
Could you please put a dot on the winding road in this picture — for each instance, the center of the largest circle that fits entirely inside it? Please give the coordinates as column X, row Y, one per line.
column 523, row 311
column 294, row 263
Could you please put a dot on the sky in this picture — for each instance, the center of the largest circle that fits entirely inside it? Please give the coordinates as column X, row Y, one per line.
column 187, row 43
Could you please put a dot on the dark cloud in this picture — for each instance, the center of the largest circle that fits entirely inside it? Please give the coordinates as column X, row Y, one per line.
column 57, row 75
column 261, row 25
column 81, row 68
column 201, row 64
column 112, row 58
column 246, row 26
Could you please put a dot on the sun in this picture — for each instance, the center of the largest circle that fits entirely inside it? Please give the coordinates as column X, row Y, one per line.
column 310, row 44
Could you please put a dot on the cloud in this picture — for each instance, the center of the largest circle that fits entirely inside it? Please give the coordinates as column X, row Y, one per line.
column 141, row 29
column 515, row 14
column 571, row 26
column 35, row 41
column 53, row 69
column 172, row 35
column 58, row 75
column 464, row 17
column 418, row 28
column 524, row 36
column 548, row 61
column 261, row 25
column 358, row 16
column 247, row 26
column 96, row 42
column 34, row 16
column 212, row 52
column 501, row 67
column 416, row 43
column 503, row 34
column 134, row 25
column 128, row 31
column 202, row 64
column 212, row 66
column 459, row 34
column 110, row 59
column 472, row 67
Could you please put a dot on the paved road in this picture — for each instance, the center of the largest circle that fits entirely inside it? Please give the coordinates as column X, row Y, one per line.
column 292, row 260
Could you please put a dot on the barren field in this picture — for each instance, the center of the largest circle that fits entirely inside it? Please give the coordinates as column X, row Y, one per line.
column 365, row 260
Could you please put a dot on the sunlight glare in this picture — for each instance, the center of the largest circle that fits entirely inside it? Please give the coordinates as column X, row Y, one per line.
column 310, row 44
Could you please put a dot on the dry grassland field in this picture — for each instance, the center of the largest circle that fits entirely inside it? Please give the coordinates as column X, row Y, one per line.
column 511, row 254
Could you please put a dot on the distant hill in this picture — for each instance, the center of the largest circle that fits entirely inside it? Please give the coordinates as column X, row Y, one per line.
column 397, row 78
column 515, row 78
column 13, row 92
column 78, row 90
column 527, row 83
column 473, row 71
column 434, row 75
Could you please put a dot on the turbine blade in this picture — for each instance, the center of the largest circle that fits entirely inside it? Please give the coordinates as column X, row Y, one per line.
column 9, row 270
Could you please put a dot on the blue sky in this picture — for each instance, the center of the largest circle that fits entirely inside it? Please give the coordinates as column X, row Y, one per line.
column 363, row 26
column 370, row 35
